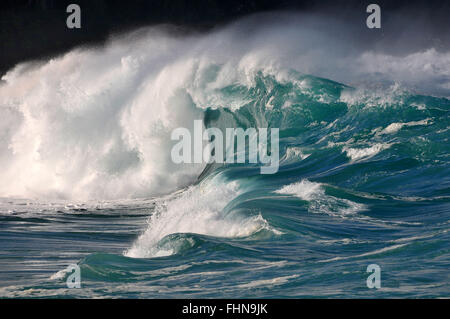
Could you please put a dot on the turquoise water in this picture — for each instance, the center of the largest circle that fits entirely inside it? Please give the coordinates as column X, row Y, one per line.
column 364, row 178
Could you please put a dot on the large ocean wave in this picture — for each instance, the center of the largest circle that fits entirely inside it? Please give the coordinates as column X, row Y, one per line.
column 364, row 142
column 95, row 123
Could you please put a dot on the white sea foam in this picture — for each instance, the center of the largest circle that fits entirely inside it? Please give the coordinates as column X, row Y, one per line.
column 305, row 189
column 395, row 127
column 319, row 201
column 295, row 153
column 268, row 282
column 60, row 274
column 365, row 153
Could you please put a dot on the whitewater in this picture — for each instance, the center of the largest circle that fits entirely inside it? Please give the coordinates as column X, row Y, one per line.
column 87, row 175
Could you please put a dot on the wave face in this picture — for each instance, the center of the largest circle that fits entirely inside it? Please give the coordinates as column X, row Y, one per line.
column 96, row 123
column 363, row 176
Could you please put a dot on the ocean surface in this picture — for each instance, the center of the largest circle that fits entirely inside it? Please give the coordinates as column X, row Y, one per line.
column 364, row 174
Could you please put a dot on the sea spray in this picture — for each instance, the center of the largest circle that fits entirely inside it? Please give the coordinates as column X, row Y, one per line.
column 96, row 123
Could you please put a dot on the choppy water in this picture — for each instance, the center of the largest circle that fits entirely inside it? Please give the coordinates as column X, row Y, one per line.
column 364, row 178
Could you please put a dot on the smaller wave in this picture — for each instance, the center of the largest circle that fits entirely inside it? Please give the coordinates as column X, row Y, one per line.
column 376, row 97
column 319, row 201
column 198, row 210
column 365, row 153
column 61, row 274
column 395, row 127
column 295, row 153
